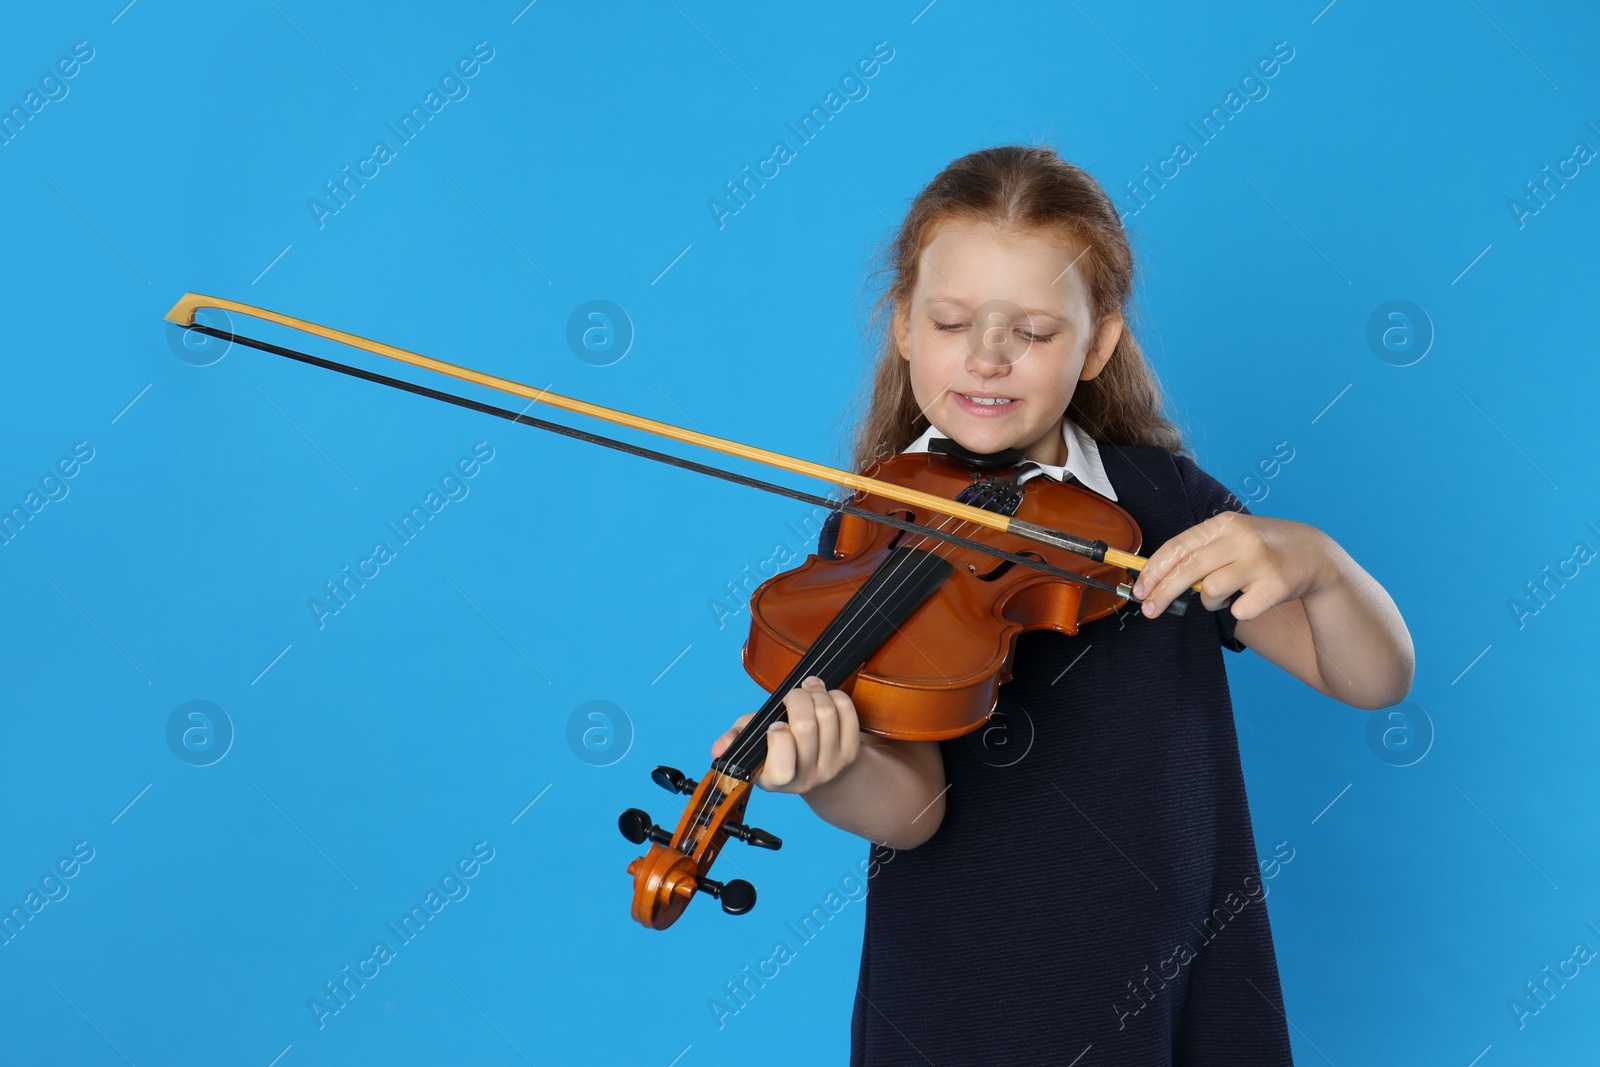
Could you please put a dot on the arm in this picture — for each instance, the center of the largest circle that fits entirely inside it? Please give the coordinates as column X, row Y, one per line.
column 890, row 792
column 1304, row 604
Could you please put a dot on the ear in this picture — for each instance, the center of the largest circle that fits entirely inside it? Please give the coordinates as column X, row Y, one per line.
column 1105, row 343
column 901, row 324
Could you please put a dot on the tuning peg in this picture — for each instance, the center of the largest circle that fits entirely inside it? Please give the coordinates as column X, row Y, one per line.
column 736, row 895
column 636, row 826
column 752, row 835
column 673, row 780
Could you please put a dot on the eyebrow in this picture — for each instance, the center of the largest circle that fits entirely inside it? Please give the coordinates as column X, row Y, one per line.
column 1036, row 312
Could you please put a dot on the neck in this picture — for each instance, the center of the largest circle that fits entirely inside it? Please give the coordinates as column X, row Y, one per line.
column 1050, row 448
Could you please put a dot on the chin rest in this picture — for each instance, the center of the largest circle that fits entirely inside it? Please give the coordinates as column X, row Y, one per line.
column 1011, row 457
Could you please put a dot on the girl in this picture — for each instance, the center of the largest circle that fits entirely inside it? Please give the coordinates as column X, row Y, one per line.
column 1083, row 881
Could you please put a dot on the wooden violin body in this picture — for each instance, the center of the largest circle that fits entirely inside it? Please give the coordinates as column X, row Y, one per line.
column 940, row 674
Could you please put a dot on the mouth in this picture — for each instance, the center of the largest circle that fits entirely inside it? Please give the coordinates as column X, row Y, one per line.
column 984, row 404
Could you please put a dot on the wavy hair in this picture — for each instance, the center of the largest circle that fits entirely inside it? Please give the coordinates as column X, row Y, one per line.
column 1020, row 188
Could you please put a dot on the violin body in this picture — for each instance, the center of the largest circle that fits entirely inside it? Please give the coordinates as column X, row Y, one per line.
column 939, row 676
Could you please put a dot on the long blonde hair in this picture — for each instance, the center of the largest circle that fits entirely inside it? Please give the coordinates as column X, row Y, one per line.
column 1019, row 187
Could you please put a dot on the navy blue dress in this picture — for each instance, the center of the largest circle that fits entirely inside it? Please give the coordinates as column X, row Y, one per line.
column 1094, row 887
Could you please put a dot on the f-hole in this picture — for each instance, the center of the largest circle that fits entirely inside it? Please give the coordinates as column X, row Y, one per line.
column 1002, row 567
column 905, row 514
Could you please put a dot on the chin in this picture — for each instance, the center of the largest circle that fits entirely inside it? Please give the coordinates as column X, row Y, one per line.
column 984, row 443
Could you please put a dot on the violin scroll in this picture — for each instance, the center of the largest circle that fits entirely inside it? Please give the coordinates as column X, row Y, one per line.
column 667, row 876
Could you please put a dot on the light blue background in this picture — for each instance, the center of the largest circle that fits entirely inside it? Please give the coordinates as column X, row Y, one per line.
column 372, row 754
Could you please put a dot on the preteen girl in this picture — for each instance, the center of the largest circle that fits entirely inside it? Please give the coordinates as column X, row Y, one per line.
column 1082, row 885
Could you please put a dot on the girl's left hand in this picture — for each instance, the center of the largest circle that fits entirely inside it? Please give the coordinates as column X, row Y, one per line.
column 1268, row 561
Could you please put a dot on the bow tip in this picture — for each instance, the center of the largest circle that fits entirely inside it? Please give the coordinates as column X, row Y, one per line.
column 183, row 311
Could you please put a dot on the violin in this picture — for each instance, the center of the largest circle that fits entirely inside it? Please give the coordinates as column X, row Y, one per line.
column 919, row 633
column 941, row 560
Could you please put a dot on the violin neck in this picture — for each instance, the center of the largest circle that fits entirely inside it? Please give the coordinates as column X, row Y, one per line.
column 906, row 578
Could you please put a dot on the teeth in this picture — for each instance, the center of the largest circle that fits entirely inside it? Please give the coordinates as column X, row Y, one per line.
column 988, row 401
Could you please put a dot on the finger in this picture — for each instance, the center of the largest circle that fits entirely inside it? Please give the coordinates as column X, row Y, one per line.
column 1171, row 554
column 802, row 709
column 1188, row 562
column 1220, row 584
column 720, row 745
column 849, row 726
column 779, row 768
column 1258, row 595
column 827, row 717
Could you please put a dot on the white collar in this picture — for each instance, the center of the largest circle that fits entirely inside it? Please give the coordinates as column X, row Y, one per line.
column 1083, row 459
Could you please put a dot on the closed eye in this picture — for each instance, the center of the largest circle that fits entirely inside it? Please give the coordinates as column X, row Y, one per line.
column 1032, row 338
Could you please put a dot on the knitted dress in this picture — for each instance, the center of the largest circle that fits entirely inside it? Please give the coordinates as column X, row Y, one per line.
column 1094, row 888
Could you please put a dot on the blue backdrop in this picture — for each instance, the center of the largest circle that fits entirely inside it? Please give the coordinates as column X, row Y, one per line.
column 225, row 785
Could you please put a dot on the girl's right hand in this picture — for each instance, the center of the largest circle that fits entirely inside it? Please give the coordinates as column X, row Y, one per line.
column 820, row 739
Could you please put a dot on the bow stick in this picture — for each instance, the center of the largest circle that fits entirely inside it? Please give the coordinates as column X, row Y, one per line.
column 183, row 312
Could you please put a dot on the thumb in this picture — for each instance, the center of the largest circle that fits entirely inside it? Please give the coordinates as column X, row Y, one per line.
column 720, row 745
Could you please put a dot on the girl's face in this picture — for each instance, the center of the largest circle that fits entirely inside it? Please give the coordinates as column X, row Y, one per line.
column 997, row 333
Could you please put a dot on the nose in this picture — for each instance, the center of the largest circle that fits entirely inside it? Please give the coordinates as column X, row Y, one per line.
column 991, row 347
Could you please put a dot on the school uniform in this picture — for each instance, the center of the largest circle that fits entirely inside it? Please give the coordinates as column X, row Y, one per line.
column 1094, row 888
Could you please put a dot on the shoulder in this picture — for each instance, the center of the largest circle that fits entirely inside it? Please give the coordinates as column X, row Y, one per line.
column 829, row 534
column 1141, row 474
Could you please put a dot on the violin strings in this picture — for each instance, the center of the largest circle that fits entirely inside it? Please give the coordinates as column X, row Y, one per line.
column 748, row 739
column 760, row 736
column 903, row 565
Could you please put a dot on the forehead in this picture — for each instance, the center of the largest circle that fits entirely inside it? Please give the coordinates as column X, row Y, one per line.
column 971, row 262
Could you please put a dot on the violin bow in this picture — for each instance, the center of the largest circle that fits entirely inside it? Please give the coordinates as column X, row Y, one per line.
column 183, row 314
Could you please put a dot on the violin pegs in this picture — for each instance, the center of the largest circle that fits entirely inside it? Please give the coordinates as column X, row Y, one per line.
column 752, row 835
column 736, row 895
column 673, row 780
column 637, row 827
